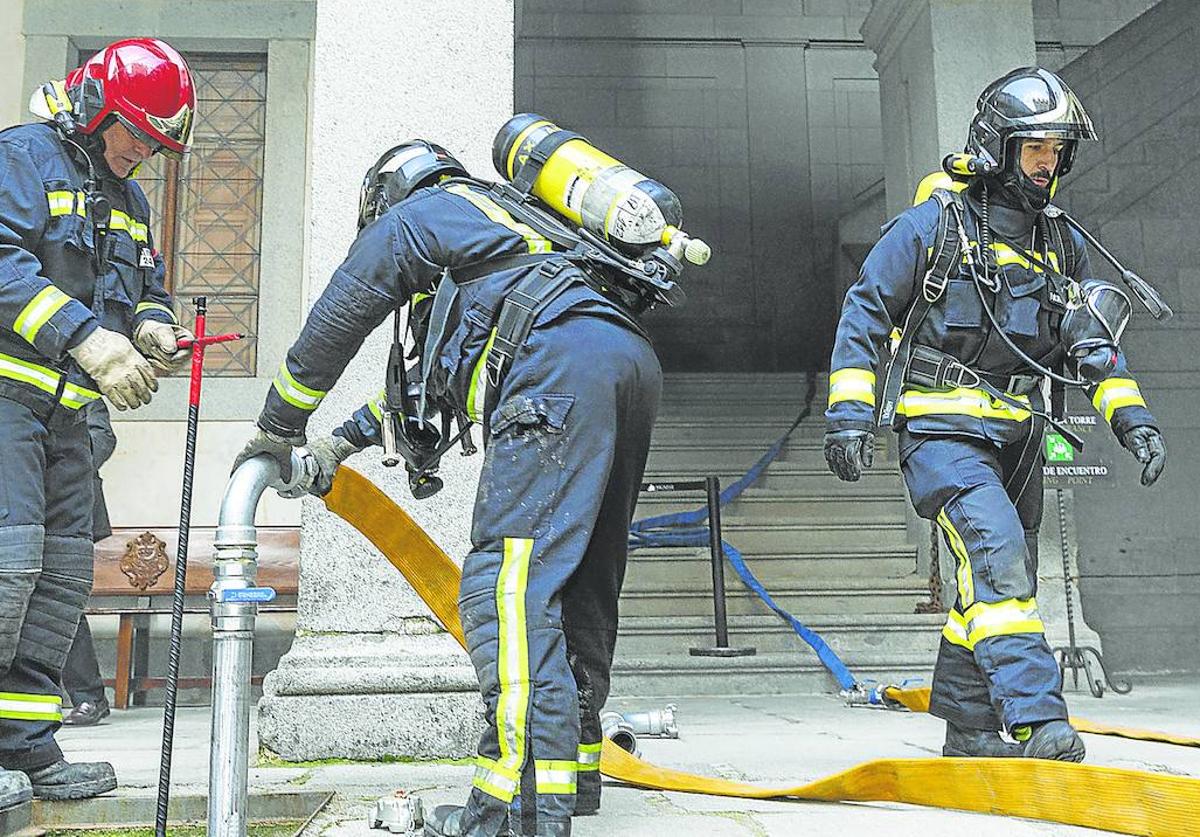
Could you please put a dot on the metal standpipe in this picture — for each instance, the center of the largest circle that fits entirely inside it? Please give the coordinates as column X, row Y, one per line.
column 234, row 598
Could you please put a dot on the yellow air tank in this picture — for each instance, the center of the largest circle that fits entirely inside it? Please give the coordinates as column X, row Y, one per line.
column 591, row 189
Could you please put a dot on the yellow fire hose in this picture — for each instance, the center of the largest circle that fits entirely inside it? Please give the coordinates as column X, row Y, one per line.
column 1106, row 798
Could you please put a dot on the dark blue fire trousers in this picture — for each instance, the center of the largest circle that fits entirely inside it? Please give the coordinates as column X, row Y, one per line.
column 45, row 570
column 567, row 446
column 994, row 669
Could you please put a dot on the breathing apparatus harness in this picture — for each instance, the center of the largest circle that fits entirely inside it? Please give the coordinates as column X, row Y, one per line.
column 929, row 367
column 97, row 206
column 634, row 284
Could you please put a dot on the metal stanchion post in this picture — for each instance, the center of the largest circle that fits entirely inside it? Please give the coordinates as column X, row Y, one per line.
column 712, row 486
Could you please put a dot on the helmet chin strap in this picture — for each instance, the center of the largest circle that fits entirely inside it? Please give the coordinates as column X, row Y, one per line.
column 1018, row 186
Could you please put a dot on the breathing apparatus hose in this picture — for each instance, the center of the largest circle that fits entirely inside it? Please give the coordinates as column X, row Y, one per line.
column 983, row 281
column 1107, row 798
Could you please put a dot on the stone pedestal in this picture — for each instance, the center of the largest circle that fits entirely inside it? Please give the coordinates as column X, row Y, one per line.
column 934, row 57
column 370, row 673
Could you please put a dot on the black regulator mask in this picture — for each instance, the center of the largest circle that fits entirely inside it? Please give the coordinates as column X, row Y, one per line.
column 1092, row 327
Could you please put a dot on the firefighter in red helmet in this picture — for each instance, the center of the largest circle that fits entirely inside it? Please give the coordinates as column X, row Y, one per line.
column 83, row 314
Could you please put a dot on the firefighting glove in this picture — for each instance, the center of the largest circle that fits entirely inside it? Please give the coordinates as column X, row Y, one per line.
column 121, row 373
column 848, row 452
column 277, row 447
column 329, row 453
column 159, row 342
column 1147, row 446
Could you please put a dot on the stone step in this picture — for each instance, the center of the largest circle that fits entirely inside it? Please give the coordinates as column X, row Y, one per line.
column 779, row 413
column 763, row 537
column 903, row 635
column 759, row 504
column 794, row 477
column 803, row 599
column 721, row 430
column 691, row 567
column 758, row 385
column 766, row 673
column 739, row 457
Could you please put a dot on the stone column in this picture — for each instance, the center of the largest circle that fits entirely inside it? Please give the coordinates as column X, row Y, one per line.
column 370, row 672
column 933, row 59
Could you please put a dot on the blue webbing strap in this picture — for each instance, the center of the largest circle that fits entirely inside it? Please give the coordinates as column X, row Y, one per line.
column 682, row 529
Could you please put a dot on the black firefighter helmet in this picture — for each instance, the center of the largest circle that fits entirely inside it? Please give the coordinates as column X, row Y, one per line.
column 1027, row 102
column 399, row 172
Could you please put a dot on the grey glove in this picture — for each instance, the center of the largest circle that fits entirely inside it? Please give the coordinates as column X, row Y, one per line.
column 277, row 447
column 159, row 342
column 1147, row 446
column 848, row 452
column 123, row 375
column 329, row 453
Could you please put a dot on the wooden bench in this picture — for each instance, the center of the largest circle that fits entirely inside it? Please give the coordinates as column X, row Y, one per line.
column 135, row 580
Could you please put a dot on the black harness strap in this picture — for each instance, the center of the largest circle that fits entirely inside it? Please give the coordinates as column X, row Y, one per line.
column 947, row 250
column 521, row 308
column 529, row 171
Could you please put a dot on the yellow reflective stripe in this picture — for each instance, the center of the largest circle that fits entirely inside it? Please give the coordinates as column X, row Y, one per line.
column 63, row 202
column 375, row 405
column 955, row 631
column 555, row 776
column 589, row 756
column 962, row 401
column 44, row 305
column 536, row 242
column 29, row 373
column 985, row 619
column 851, row 384
column 1114, row 393
column 46, row 380
column 76, row 396
column 25, row 707
column 495, row 779
column 154, row 306
column 1005, row 255
column 965, row 575
column 477, row 392
column 513, row 660
column 294, row 392
column 136, row 229
column 417, row 297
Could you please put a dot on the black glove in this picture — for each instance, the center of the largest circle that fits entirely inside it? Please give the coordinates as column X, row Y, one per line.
column 329, row 454
column 848, row 452
column 1147, row 446
column 277, row 447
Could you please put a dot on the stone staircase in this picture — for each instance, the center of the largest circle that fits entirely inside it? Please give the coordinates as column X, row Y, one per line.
column 842, row 557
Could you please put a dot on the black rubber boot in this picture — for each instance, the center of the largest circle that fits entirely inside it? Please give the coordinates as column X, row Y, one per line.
column 1054, row 740
column 452, row 821
column 62, row 780
column 14, row 788
column 977, row 743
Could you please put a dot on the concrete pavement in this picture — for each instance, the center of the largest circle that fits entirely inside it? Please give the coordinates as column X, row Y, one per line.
column 771, row 740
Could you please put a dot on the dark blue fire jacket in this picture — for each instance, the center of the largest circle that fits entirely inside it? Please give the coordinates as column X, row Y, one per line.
column 402, row 257
column 51, row 294
column 877, row 303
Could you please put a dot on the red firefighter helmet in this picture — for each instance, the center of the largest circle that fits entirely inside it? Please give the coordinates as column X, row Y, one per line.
column 146, row 85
